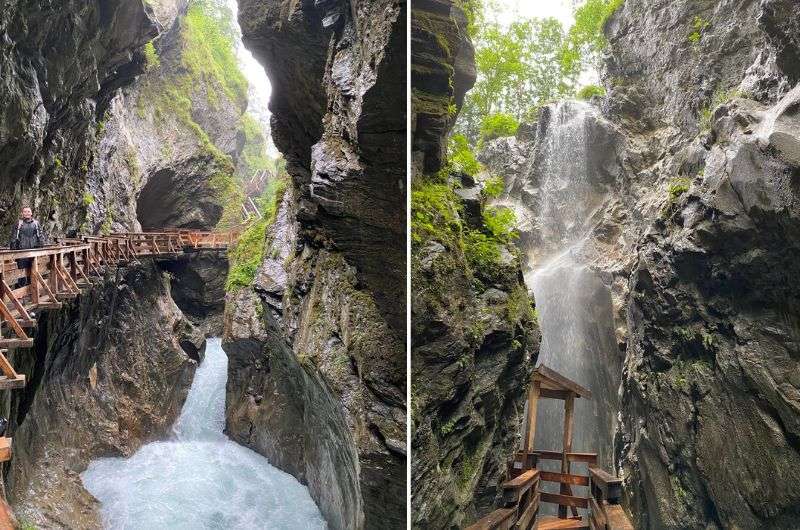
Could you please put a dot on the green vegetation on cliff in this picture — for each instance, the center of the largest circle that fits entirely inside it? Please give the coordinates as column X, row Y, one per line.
column 247, row 255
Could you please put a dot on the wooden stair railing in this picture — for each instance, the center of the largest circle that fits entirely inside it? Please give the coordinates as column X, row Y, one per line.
column 522, row 494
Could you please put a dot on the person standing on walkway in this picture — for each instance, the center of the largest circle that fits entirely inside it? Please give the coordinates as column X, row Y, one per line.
column 26, row 234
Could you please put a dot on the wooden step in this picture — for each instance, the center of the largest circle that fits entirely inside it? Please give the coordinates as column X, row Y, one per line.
column 12, row 384
column 5, row 449
column 550, row 522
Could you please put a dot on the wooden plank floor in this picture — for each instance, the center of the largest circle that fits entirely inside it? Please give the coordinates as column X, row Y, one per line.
column 550, row 522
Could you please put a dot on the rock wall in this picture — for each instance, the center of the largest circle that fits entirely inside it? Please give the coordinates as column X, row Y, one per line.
column 711, row 313
column 60, row 63
column 314, row 382
column 696, row 235
column 169, row 143
column 340, row 122
column 317, row 344
column 108, row 373
column 474, row 335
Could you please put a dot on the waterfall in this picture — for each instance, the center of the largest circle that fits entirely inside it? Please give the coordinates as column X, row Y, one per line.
column 200, row 479
column 573, row 304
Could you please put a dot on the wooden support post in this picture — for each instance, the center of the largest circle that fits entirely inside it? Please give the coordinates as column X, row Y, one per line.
column 569, row 407
column 6, row 367
column 5, row 313
column 53, row 274
column 34, row 285
column 23, row 313
column 533, row 405
column 49, row 292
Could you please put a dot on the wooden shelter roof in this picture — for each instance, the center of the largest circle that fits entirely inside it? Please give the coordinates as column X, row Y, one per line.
column 550, row 380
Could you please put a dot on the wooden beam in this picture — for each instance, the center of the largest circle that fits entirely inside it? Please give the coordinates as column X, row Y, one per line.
column 597, row 512
column 525, row 520
column 565, row 500
column 609, row 485
column 6, row 367
column 533, row 405
column 555, row 394
column 566, row 489
column 573, row 457
column 514, row 489
column 15, row 302
column 38, row 278
column 5, row 313
column 5, row 449
column 575, row 480
column 542, row 372
column 616, row 518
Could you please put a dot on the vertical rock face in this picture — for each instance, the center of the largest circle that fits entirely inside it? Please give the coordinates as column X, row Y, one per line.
column 339, row 120
column 168, row 143
column 60, row 62
column 317, row 345
column 698, row 239
column 314, row 380
column 474, row 335
column 442, row 71
column 108, row 373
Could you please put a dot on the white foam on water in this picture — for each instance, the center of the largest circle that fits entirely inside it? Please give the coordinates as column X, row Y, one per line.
column 200, row 479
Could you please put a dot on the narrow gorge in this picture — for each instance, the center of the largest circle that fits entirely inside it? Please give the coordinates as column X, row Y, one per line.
column 655, row 229
column 277, row 330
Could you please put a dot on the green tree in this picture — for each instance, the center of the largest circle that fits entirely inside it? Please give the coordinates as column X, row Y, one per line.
column 586, row 40
column 519, row 68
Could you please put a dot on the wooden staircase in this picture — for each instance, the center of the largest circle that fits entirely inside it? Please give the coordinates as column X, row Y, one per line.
column 522, row 495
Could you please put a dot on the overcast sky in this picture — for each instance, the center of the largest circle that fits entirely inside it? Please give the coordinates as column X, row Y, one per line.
column 507, row 11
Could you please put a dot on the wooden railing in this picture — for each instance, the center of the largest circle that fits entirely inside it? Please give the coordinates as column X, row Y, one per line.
column 522, row 494
column 58, row 272
column 48, row 276
column 522, row 497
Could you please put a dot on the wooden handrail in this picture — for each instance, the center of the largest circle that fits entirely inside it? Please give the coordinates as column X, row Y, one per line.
column 58, row 272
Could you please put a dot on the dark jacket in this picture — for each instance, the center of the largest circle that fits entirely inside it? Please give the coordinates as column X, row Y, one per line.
column 26, row 234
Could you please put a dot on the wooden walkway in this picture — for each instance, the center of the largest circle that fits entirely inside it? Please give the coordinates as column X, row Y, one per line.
column 60, row 272
column 522, row 494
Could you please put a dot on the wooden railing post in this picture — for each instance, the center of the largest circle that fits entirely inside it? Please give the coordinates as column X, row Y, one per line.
column 33, row 271
column 569, row 407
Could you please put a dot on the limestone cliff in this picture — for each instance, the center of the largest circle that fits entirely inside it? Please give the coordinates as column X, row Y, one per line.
column 60, row 63
column 317, row 342
column 474, row 332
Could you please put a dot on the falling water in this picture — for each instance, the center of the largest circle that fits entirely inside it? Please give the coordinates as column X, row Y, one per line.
column 573, row 304
column 200, row 479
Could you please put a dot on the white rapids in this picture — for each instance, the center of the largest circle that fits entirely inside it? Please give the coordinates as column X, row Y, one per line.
column 199, row 479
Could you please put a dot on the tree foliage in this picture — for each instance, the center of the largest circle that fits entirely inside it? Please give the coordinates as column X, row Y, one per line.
column 518, row 67
column 530, row 63
column 498, row 126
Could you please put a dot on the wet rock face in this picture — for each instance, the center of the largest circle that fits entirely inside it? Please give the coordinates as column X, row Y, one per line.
column 442, row 71
column 108, row 374
column 339, row 119
column 316, row 383
column 474, row 338
column 713, row 317
column 472, row 355
column 697, row 237
column 198, row 288
column 58, row 62
column 157, row 167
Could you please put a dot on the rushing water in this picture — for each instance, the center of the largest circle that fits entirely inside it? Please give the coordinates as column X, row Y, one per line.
column 199, row 479
column 573, row 304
